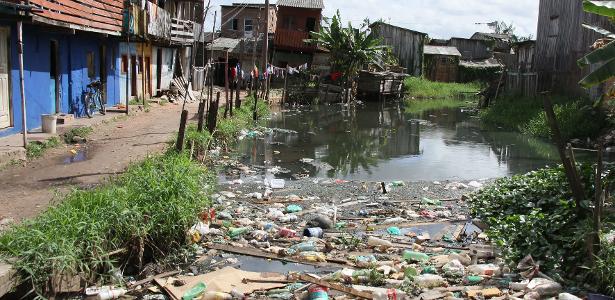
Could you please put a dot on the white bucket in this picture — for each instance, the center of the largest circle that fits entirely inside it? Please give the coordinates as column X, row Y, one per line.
column 49, row 123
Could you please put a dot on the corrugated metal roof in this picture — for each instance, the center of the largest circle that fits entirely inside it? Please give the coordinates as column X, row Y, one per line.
column 482, row 64
column 223, row 44
column 314, row 4
column 442, row 50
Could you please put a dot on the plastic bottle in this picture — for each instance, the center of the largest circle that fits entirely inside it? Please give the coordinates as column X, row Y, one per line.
column 288, row 218
column 195, row 292
column 235, row 232
column 374, row 241
column 287, row 233
column 412, row 256
column 217, row 296
column 293, row 208
column 484, row 269
column 394, row 230
column 313, row 232
column 390, row 294
column 108, row 294
column 302, row 247
column 318, row 293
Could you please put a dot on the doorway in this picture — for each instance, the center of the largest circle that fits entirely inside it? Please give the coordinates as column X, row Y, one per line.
column 54, row 76
column 133, row 75
column 5, row 103
column 148, row 75
column 102, row 72
column 159, row 70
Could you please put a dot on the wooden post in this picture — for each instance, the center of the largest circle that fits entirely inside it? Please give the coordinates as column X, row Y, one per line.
column 201, row 116
column 285, row 94
column 129, row 63
column 22, row 89
column 213, row 114
column 571, row 169
column 238, row 94
column 226, row 81
column 143, row 75
column 266, row 50
column 182, row 132
column 254, row 113
column 594, row 241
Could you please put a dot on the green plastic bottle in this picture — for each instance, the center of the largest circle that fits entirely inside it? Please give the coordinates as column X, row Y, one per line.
column 412, row 256
column 195, row 292
column 474, row 279
column 235, row 232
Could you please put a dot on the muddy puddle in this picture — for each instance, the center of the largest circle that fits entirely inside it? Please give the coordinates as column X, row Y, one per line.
column 386, row 142
column 76, row 156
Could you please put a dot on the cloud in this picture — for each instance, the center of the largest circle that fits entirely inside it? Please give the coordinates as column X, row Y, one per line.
column 438, row 18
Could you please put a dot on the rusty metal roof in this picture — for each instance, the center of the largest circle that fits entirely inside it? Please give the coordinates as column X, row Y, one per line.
column 441, row 50
column 313, row 4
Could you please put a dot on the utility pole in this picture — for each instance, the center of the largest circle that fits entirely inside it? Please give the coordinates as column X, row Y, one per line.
column 24, row 124
column 255, row 80
column 266, row 50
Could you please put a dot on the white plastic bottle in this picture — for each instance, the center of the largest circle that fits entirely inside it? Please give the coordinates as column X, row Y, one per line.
column 109, row 294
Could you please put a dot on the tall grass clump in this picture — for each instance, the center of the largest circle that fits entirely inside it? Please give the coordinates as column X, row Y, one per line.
column 422, row 88
column 228, row 129
column 142, row 214
column 421, row 106
column 526, row 115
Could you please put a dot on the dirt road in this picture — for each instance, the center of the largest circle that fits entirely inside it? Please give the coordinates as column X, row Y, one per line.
column 26, row 191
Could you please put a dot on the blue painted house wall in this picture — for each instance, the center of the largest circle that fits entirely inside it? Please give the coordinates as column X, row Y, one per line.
column 73, row 50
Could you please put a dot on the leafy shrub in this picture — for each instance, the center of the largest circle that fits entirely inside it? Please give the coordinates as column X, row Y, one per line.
column 575, row 121
column 603, row 272
column 83, row 132
column 536, row 214
column 37, row 149
column 146, row 211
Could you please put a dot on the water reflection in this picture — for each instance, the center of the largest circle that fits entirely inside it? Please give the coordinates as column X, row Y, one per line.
column 384, row 142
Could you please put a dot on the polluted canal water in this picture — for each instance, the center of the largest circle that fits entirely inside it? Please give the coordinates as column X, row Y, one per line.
column 375, row 142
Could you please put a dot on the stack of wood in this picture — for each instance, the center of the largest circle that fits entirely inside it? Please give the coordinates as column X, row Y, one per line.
column 180, row 83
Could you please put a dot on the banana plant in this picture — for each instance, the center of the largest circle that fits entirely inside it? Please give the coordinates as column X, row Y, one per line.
column 350, row 48
column 604, row 49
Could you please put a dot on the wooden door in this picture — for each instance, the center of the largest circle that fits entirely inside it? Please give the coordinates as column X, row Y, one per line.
column 5, row 107
column 148, row 75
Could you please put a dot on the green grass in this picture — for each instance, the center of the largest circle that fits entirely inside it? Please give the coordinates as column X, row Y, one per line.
column 150, row 207
column 420, row 106
column 83, row 132
column 422, row 88
column 37, row 149
column 526, row 115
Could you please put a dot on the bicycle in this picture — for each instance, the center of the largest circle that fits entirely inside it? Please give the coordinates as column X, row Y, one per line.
column 93, row 99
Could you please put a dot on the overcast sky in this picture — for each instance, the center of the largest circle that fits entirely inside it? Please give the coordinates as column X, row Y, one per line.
column 438, row 18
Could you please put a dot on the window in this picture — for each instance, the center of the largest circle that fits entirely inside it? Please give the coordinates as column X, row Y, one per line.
column 124, row 64
column 247, row 25
column 288, row 22
column 310, row 24
column 235, row 24
column 90, row 62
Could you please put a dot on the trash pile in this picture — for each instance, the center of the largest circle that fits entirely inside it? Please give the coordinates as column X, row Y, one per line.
column 334, row 239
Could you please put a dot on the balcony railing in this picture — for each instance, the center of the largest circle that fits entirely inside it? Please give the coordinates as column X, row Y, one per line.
column 182, row 31
column 293, row 40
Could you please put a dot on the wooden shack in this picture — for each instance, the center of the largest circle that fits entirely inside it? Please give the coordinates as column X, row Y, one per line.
column 374, row 86
column 521, row 75
column 561, row 41
column 407, row 45
column 441, row 63
column 471, row 49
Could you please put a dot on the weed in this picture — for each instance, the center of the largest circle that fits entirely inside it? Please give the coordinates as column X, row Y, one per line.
column 422, row 88
column 37, row 149
column 150, row 207
column 82, row 132
column 526, row 115
column 420, row 106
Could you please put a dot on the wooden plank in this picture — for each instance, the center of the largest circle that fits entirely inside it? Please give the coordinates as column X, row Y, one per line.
column 76, row 13
column 263, row 254
column 78, row 21
column 102, row 5
column 91, row 10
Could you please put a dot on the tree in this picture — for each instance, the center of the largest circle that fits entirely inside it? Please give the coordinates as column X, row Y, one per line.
column 351, row 48
column 501, row 27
